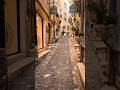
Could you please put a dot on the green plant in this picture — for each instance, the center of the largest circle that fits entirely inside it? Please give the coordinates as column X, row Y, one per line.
column 77, row 3
column 110, row 19
column 33, row 40
column 92, row 6
column 81, row 34
column 99, row 8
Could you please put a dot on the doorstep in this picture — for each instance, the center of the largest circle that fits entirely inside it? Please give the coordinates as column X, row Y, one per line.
column 81, row 68
column 43, row 54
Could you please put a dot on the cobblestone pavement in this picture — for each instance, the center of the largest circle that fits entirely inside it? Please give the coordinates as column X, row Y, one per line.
column 77, row 75
column 56, row 72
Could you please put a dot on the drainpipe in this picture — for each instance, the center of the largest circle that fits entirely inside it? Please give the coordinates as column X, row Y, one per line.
column 3, row 62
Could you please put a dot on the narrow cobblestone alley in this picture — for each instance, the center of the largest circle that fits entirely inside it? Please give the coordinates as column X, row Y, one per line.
column 56, row 72
column 59, row 44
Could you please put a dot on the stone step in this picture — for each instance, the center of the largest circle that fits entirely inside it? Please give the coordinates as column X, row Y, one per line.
column 42, row 54
column 81, row 68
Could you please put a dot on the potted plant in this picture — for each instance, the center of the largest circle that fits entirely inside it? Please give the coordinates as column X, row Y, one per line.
column 99, row 8
column 110, row 18
column 81, row 34
column 102, row 18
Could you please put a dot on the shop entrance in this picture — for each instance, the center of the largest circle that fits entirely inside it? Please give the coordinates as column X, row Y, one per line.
column 39, row 27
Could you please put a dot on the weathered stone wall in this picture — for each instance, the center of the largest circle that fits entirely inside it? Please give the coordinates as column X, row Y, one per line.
column 15, row 61
column 117, row 45
column 93, row 81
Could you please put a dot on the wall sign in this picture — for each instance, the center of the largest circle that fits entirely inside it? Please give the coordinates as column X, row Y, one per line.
column 72, row 8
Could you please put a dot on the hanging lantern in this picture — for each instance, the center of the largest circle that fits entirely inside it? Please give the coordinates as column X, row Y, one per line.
column 53, row 10
column 72, row 8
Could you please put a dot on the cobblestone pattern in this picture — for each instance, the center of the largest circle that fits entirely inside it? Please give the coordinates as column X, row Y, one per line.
column 76, row 75
column 56, row 71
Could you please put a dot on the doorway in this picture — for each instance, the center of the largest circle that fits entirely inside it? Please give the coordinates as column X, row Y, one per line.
column 39, row 27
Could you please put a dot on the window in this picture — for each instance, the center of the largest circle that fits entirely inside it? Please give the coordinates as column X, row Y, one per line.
column 12, row 26
column 2, row 45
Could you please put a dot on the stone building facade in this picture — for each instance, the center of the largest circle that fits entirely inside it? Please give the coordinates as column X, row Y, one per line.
column 93, row 66
column 19, row 36
column 27, row 29
column 114, row 43
column 44, row 24
column 3, row 61
column 16, row 31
